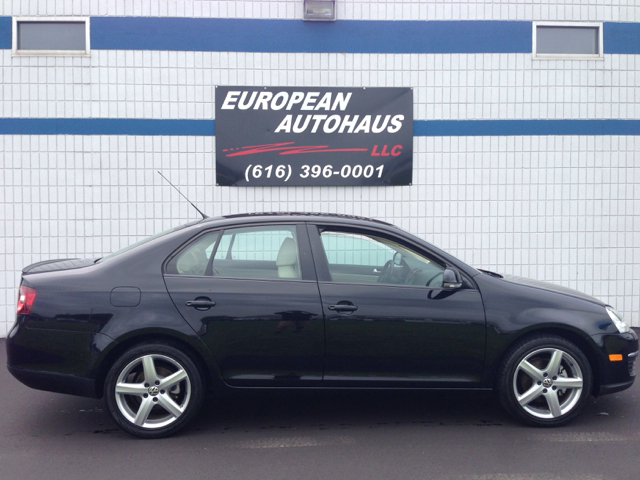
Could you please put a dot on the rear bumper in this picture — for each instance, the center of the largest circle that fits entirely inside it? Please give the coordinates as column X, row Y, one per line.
column 56, row 382
column 55, row 360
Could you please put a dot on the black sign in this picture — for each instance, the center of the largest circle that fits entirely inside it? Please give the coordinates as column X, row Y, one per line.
column 313, row 136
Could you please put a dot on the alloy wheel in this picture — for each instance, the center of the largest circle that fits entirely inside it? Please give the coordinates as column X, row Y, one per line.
column 548, row 383
column 153, row 391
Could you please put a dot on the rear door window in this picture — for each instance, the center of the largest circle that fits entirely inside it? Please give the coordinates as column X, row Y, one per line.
column 194, row 258
column 258, row 252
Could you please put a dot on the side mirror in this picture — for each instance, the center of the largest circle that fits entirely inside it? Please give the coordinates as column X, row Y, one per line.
column 397, row 259
column 451, row 279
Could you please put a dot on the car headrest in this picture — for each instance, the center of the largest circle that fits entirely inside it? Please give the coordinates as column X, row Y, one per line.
column 288, row 253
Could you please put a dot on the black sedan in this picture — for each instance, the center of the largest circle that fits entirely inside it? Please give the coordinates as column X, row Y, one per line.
column 306, row 301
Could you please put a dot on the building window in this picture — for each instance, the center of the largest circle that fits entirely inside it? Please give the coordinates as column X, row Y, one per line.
column 50, row 36
column 567, row 40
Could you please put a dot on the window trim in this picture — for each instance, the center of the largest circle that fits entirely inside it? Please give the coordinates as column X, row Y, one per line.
column 568, row 56
column 60, row 53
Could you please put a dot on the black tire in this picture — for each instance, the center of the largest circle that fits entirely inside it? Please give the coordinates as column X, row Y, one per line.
column 531, row 377
column 143, row 398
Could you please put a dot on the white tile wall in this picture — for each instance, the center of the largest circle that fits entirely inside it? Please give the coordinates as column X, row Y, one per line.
column 562, row 208
column 561, row 10
column 162, row 84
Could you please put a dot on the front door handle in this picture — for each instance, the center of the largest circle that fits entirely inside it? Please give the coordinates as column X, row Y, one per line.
column 201, row 303
column 343, row 307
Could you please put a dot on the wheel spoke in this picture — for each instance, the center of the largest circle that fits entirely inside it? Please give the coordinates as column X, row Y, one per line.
column 149, row 367
column 563, row 383
column 169, row 405
column 554, row 363
column 534, row 392
column 553, row 402
column 131, row 389
column 143, row 411
column 173, row 379
column 532, row 371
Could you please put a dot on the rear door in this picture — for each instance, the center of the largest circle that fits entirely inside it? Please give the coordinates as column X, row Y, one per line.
column 251, row 293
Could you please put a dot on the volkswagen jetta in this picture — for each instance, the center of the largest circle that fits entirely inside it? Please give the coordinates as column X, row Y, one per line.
column 306, row 301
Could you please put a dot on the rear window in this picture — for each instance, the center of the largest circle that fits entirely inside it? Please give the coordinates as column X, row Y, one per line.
column 146, row 240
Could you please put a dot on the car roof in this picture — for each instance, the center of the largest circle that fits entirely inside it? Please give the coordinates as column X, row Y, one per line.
column 296, row 217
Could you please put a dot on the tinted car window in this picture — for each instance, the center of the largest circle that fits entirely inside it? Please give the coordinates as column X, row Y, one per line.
column 193, row 260
column 360, row 258
column 354, row 249
column 258, row 252
column 146, row 240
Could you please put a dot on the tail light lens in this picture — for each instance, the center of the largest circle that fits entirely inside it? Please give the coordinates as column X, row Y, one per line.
column 26, row 297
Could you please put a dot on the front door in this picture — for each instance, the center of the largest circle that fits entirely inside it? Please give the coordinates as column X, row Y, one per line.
column 389, row 322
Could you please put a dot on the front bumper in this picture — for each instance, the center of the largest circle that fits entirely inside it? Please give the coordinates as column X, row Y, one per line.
column 615, row 376
column 616, row 387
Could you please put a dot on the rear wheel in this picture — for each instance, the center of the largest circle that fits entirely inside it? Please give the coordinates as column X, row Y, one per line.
column 153, row 390
column 545, row 381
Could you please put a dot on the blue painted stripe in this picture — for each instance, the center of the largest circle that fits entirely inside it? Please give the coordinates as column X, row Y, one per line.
column 104, row 126
column 429, row 128
column 254, row 35
column 621, row 37
column 5, row 32
column 464, row 128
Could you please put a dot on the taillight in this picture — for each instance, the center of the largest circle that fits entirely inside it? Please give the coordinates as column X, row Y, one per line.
column 26, row 297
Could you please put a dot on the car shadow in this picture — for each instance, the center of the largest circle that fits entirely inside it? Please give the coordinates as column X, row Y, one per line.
column 324, row 410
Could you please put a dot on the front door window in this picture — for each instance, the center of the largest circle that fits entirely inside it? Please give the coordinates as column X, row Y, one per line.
column 360, row 258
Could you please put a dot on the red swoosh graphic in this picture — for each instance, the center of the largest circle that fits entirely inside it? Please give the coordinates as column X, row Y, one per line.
column 287, row 148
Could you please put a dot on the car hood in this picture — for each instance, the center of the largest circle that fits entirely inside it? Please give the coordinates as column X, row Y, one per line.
column 56, row 265
column 551, row 287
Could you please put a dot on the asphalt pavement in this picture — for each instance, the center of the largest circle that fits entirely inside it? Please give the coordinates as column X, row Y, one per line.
column 328, row 435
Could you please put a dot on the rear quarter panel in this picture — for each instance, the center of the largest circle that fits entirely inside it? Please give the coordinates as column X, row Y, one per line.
column 75, row 329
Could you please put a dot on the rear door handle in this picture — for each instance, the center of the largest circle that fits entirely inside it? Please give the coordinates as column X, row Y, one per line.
column 343, row 308
column 201, row 304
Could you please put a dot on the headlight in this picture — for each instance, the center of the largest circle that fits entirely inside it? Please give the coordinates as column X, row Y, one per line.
column 617, row 320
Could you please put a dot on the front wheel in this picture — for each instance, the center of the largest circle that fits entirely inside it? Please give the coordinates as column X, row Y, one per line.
column 153, row 390
column 545, row 381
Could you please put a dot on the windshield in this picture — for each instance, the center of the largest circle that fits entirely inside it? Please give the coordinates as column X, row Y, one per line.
column 146, row 240
column 433, row 246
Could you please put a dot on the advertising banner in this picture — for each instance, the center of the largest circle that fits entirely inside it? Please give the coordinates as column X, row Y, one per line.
column 312, row 136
